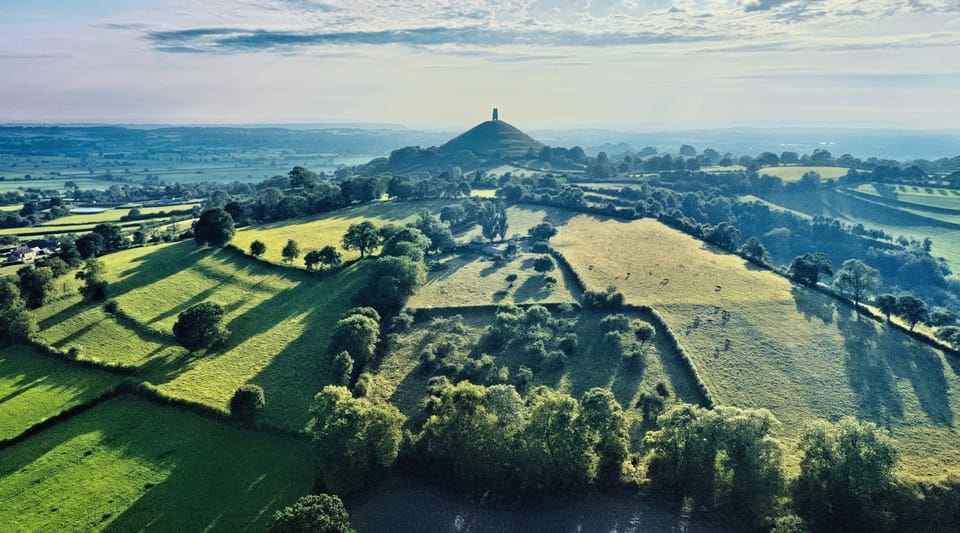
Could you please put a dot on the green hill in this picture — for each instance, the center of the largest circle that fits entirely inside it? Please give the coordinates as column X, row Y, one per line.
column 491, row 138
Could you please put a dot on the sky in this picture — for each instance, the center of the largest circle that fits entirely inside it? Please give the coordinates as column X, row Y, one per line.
column 635, row 65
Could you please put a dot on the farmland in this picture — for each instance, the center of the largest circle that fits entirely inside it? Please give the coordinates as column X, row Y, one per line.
column 791, row 174
column 128, row 464
column 817, row 358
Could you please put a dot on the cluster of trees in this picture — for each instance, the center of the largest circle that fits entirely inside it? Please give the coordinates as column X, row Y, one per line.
column 34, row 211
column 200, row 326
column 16, row 324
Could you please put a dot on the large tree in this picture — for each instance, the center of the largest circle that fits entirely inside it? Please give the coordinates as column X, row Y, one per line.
column 437, row 231
column 94, row 284
column 290, row 251
column 363, row 237
column 357, row 335
column 214, row 227
column 887, row 303
column 857, row 279
column 542, row 231
column 329, row 256
column 911, row 309
column 258, row 248
column 355, row 437
column 16, row 324
column 246, row 402
column 35, row 285
column 322, row 513
column 493, row 220
column 807, row 268
column 201, row 326
column 846, row 480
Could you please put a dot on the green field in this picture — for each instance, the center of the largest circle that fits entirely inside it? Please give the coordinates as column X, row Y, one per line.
column 921, row 196
column 760, row 341
column 130, row 465
column 791, row 174
column 279, row 321
column 34, row 387
column 114, row 215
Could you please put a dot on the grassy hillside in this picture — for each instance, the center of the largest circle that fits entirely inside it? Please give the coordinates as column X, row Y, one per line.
column 760, row 341
column 279, row 320
column 493, row 137
column 34, row 387
column 128, row 465
column 921, row 196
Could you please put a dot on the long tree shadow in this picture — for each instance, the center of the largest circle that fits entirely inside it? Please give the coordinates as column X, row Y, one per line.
column 813, row 304
column 923, row 367
column 870, row 377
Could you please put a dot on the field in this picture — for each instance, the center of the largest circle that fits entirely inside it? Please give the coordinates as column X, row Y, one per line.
column 791, row 174
column 921, row 196
column 128, row 465
column 760, row 341
column 34, row 387
column 115, row 215
column 61, row 230
column 471, row 279
column 279, row 320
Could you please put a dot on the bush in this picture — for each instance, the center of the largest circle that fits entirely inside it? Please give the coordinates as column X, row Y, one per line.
column 511, row 278
column 619, row 323
column 541, row 247
column 201, row 326
column 313, row 514
column 247, row 402
column 611, row 299
column 111, row 307
column 569, row 343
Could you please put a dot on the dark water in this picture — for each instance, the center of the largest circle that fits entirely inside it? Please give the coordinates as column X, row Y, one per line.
column 413, row 508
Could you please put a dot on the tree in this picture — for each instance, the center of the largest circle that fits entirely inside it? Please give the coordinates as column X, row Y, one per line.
column 258, row 248
column 887, row 303
column 311, row 259
column 542, row 232
column 605, row 423
column 807, row 268
column 322, row 513
column 329, row 256
column 362, row 236
column 341, row 368
column 301, row 178
column 644, row 332
column 355, row 437
column 754, row 250
column 357, row 335
column 94, row 286
column 214, row 227
column 290, row 251
column 688, row 151
column 493, row 220
column 857, row 279
column 911, row 309
column 35, row 285
column 543, row 264
column 16, row 324
column 434, row 229
column 846, row 479
column 90, row 245
column 392, row 281
column 201, row 326
column 246, row 402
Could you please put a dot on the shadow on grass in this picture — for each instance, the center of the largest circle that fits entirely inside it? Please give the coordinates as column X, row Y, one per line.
column 812, row 304
column 877, row 357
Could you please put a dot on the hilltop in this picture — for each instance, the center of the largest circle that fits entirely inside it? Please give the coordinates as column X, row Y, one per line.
column 493, row 138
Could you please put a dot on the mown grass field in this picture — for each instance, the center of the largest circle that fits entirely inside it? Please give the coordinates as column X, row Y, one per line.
column 401, row 381
column 130, row 465
column 315, row 232
column 472, row 279
column 790, row 173
column 34, row 387
column 760, row 341
column 114, row 215
column 279, row 320
column 921, row 196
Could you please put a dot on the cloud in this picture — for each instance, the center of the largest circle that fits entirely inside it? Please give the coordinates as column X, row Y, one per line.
column 764, row 5
column 232, row 40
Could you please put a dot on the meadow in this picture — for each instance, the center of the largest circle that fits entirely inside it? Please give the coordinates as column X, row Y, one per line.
column 758, row 340
column 937, row 198
column 115, row 215
column 129, row 465
column 279, row 319
column 791, row 174
column 34, row 387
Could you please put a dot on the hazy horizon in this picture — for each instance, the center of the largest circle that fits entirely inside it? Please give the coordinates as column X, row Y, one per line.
column 631, row 65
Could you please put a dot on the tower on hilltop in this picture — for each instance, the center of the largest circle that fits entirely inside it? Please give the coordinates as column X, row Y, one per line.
column 496, row 115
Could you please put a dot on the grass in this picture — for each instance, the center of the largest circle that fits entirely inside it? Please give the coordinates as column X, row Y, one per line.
column 114, row 215
column 315, row 232
column 279, row 321
column 760, row 341
column 61, row 230
column 34, row 387
column 130, row 465
column 921, row 196
column 401, row 381
column 791, row 174
column 471, row 279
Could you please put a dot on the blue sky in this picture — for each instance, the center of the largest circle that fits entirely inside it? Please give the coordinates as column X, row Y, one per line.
column 628, row 64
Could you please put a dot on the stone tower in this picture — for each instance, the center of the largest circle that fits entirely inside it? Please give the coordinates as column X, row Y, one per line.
column 496, row 115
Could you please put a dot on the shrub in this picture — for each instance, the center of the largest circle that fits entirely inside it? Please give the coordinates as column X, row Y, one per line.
column 540, row 247
column 611, row 299
column 201, row 326
column 247, row 402
column 511, row 278
column 569, row 343
column 111, row 306
column 341, row 368
column 619, row 323
column 320, row 514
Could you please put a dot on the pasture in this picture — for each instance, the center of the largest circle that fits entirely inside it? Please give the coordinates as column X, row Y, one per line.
column 471, row 279
column 129, row 464
column 34, row 387
column 760, row 341
column 791, row 174
column 115, row 215
column 921, row 196
column 279, row 320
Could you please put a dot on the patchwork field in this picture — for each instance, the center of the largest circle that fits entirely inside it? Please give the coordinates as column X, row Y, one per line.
column 34, row 387
column 279, row 321
column 921, row 196
column 760, row 341
column 130, row 465
column 115, row 215
column 791, row 174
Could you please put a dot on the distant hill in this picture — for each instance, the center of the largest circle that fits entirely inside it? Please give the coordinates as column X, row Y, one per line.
column 493, row 138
